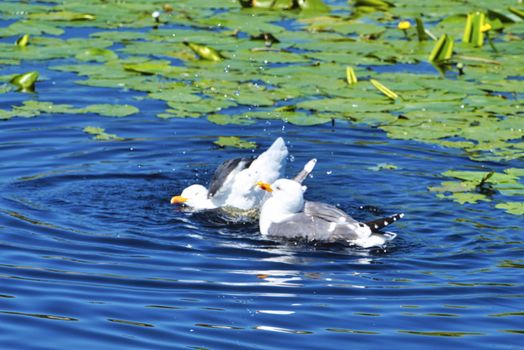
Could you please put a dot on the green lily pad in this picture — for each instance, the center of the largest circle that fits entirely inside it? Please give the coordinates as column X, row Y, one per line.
column 149, row 67
column 454, row 186
column 205, row 52
column 100, row 134
column 62, row 16
column 225, row 119
column 96, row 54
column 110, row 110
column 465, row 197
column 304, row 119
column 234, row 141
column 516, row 208
column 477, row 176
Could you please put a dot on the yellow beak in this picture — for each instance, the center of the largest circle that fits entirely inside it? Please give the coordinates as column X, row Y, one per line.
column 265, row 186
column 178, row 199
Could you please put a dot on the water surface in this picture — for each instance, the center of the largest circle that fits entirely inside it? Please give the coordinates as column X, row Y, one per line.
column 93, row 256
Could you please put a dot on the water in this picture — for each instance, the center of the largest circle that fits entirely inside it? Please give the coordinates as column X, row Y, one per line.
column 93, row 256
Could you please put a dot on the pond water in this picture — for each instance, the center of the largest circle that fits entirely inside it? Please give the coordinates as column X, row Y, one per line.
column 93, row 256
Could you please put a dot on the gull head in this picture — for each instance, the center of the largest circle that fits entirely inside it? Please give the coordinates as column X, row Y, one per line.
column 194, row 196
column 287, row 196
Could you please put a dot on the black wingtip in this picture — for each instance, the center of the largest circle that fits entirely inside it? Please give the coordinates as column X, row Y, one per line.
column 378, row 224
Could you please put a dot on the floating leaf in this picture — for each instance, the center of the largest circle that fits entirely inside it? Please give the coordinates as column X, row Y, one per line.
column 23, row 40
column 150, row 67
column 205, row 52
column 26, row 81
column 383, row 89
column 96, row 54
column 225, row 119
column 234, row 141
column 317, row 6
column 100, row 134
column 516, row 208
column 454, row 186
column 478, row 176
column 110, row 110
column 465, row 197
column 63, row 16
column 304, row 119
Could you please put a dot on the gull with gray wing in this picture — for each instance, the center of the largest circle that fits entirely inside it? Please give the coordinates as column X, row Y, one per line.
column 286, row 214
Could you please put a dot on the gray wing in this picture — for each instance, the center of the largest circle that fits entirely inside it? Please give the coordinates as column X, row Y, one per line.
column 327, row 212
column 229, row 167
column 312, row 228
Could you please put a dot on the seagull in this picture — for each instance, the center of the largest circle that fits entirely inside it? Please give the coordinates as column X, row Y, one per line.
column 232, row 184
column 286, row 214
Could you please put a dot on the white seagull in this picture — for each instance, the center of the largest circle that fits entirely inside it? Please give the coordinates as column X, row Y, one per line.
column 286, row 214
column 232, row 184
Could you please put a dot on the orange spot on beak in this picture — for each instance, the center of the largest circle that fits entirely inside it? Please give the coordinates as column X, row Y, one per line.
column 265, row 186
column 178, row 199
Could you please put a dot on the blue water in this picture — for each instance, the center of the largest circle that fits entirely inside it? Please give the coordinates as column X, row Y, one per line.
column 93, row 256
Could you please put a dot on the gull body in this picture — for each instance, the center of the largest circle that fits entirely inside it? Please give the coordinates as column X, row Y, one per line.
column 286, row 214
column 232, row 184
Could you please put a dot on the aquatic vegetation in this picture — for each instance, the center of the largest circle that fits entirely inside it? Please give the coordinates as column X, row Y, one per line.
column 234, row 141
column 474, row 186
column 100, row 134
column 25, row 81
column 286, row 60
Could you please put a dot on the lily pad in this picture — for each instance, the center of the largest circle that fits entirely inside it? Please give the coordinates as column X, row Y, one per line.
column 516, row 208
column 465, row 197
column 205, row 52
column 96, row 54
column 62, row 16
column 100, row 134
column 110, row 110
column 225, row 119
column 234, row 141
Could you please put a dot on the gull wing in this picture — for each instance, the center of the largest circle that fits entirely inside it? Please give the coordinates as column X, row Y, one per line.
column 226, row 172
column 327, row 212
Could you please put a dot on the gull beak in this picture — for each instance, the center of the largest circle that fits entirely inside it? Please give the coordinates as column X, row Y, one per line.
column 178, row 199
column 265, row 186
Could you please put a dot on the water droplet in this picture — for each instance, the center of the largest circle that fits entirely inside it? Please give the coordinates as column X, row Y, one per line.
column 329, row 172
